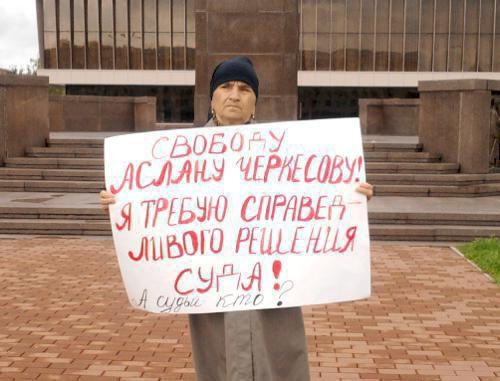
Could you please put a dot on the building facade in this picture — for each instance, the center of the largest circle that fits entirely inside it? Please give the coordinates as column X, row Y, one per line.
column 348, row 49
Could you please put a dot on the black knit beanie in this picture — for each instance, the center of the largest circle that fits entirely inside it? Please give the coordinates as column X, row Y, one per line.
column 235, row 69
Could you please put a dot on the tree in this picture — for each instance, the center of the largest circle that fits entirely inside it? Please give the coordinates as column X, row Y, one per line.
column 29, row 69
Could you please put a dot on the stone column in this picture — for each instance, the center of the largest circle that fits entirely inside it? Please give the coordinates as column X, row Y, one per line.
column 24, row 114
column 395, row 116
column 144, row 114
column 454, row 121
column 267, row 31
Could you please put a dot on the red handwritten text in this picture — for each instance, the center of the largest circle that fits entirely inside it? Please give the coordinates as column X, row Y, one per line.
column 216, row 144
column 171, row 246
column 217, row 279
column 299, row 168
column 280, row 207
column 185, row 210
column 320, row 240
column 136, row 176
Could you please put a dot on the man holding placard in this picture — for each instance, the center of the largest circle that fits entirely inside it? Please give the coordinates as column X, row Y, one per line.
column 255, row 220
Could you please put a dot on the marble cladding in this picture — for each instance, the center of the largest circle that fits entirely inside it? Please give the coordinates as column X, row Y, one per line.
column 266, row 32
column 454, row 121
column 24, row 114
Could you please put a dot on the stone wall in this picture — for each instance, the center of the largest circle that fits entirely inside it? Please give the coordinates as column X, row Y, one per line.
column 455, row 121
column 99, row 113
column 265, row 31
column 24, row 114
column 389, row 116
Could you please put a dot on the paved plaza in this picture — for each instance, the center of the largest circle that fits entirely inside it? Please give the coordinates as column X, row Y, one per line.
column 65, row 316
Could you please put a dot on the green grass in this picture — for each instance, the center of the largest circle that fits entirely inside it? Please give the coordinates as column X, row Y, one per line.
column 486, row 254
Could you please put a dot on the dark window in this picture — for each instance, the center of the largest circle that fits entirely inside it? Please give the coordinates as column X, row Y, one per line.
column 149, row 34
column 471, row 35
column 107, row 42
column 50, row 52
column 426, row 36
column 173, row 103
column 486, row 35
column 308, row 51
column 178, row 18
column 338, row 16
column 121, row 37
column 64, row 16
column 135, row 34
column 411, row 39
column 150, row 51
column 308, row 16
column 353, row 15
column 324, row 13
column 327, row 102
column 411, row 52
column 64, row 46
column 164, row 22
column 178, row 51
column 367, row 36
column 164, row 41
column 323, row 51
column 49, row 15
column 338, row 56
column 78, row 47
column 456, row 36
column 382, row 36
column 396, row 37
column 382, row 52
column 441, row 35
column 64, row 49
column 352, row 52
column 178, row 37
column 93, row 34
column 50, row 36
column 78, row 50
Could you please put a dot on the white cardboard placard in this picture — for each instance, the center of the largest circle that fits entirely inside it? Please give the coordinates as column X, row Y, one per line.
column 246, row 217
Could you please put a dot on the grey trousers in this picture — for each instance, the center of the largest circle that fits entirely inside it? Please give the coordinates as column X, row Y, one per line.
column 262, row 345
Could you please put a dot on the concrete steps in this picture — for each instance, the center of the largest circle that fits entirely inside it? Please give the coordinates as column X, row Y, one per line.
column 394, row 226
column 449, row 233
column 99, row 143
column 51, row 174
column 402, row 157
column 54, row 226
column 411, row 219
column 476, row 190
column 52, row 163
column 54, row 213
column 41, row 173
column 399, row 147
column 51, row 186
column 77, row 142
column 74, row 181
column 457, row 179
column 83, row 152
column 97, row 152
column 410, row 168
column 372, row 167
column 73, row 167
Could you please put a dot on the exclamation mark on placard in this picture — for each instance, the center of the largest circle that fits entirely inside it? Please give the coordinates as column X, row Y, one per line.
column 360, row 164
column 276, row 272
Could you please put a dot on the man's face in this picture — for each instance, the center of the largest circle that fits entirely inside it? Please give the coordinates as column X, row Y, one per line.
column 233, row 103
